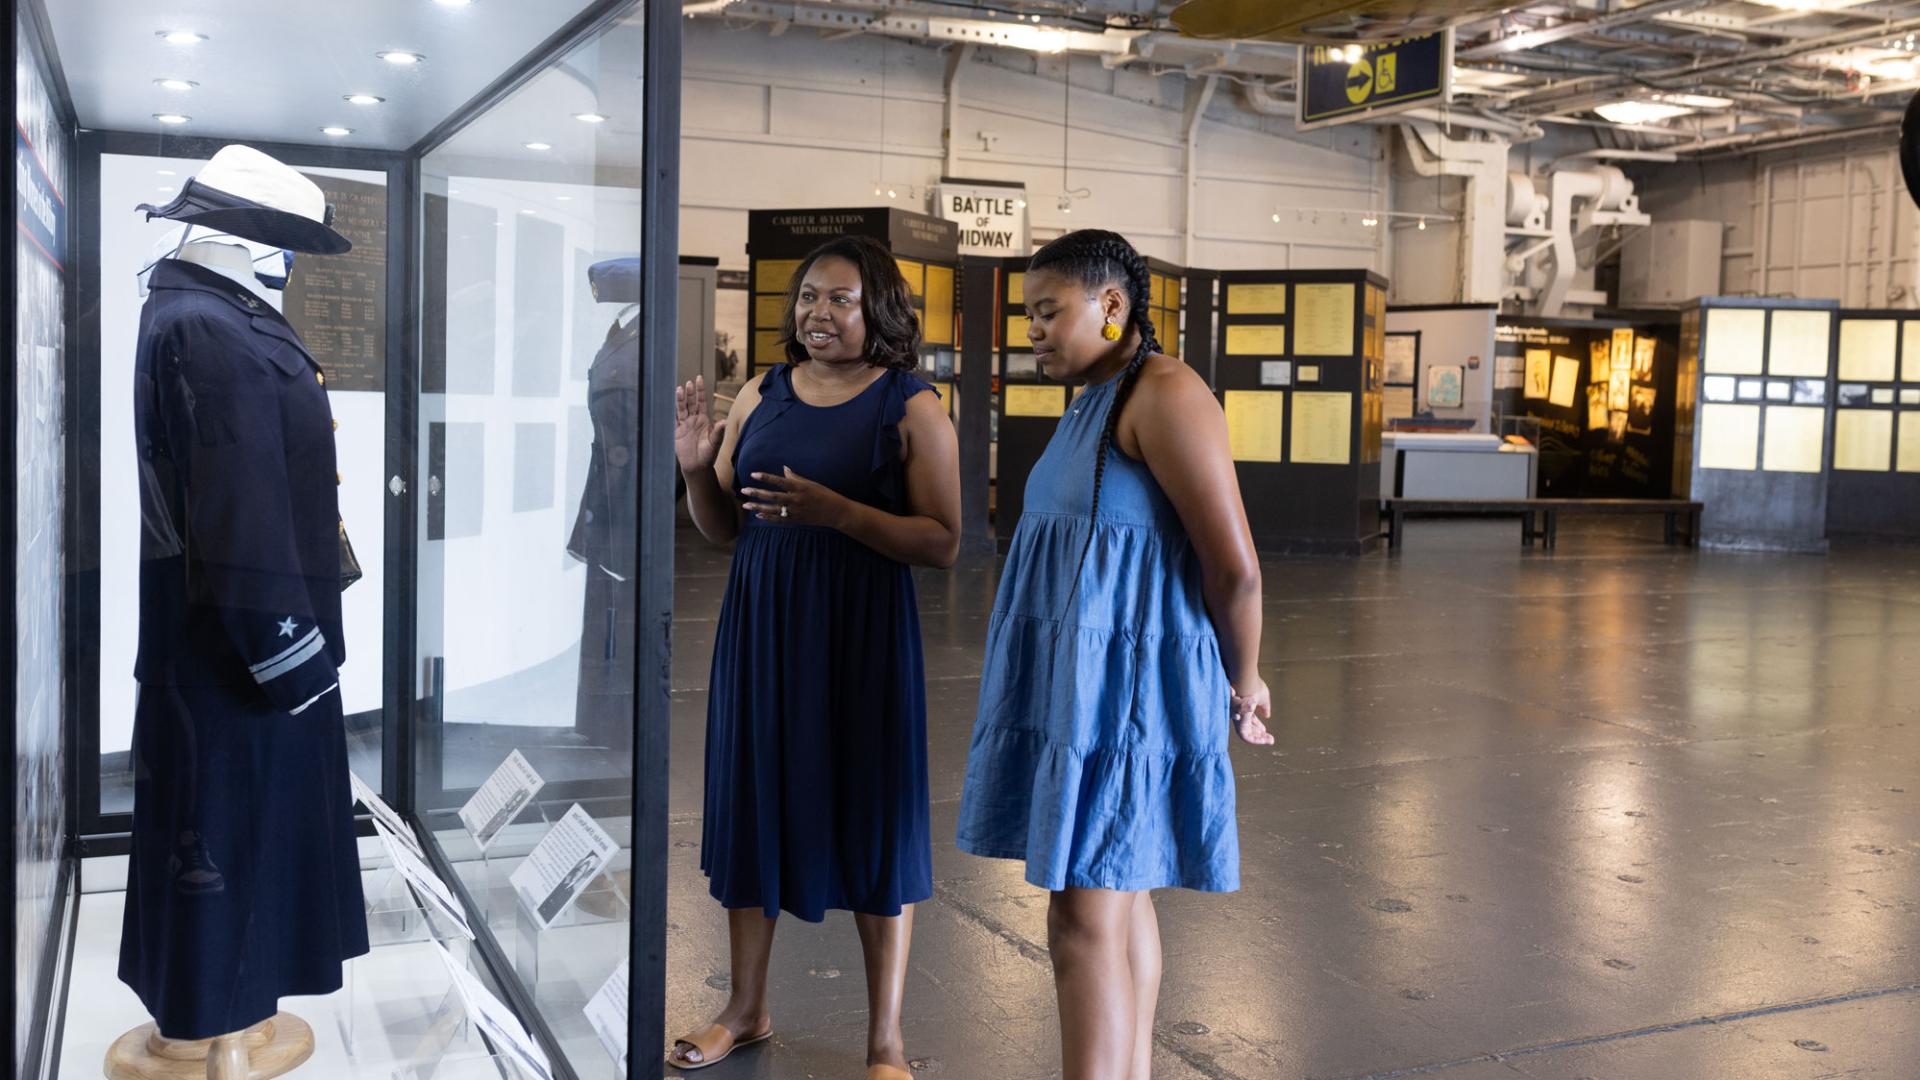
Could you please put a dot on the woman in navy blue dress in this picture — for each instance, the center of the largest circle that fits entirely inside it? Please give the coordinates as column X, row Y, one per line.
column 834, row 473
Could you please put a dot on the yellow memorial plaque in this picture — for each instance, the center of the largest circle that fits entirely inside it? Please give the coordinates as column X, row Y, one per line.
column 1017, row 287
column 1247, row 339
column 1017, row 332
column 1863, row 438
column 1798, row 344
column 1735, row 339
column 768, row 310
column 1729, row 436
column 1244, row 299
column 773, row 275
column 1906, row 456
column 1795, row 438
column 1910, row 351
column 1539, row 374
column 1255, row 422
column 1867, row 349
column 1322, row 427
column 916, row 275
column 1035, row 400
column 1599, row 361
column 937, row 327
column 1323, row 320
column 767, row 349
column 1566, row 381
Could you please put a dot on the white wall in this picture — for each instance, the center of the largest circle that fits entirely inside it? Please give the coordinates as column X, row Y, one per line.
column 1826, row 222
column 796, row 121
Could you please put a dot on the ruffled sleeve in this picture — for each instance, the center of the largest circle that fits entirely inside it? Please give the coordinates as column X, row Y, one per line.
column 776, row 397
column 889, row 472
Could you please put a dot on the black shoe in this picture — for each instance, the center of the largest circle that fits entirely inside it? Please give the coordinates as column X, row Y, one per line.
column 192, row 868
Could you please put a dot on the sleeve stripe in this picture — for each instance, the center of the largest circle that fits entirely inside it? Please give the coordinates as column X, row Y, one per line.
column 291, row 662
column 296, row 647
column 314, row 698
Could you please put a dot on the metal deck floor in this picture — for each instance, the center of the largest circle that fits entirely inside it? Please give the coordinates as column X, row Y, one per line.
column 1619, row 811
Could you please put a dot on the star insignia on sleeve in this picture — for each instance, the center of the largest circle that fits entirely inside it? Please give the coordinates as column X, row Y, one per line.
column 287, row 627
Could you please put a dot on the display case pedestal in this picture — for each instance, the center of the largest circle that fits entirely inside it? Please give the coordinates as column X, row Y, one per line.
column 273, row 1047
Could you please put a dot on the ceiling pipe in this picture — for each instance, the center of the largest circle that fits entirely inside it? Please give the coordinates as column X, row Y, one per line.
column 1606, row 154
column 1261, row 98
column 1483, row 164
column 1533, row 39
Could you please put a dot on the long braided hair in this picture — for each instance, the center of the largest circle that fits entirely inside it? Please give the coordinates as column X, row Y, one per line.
column 1093, row 259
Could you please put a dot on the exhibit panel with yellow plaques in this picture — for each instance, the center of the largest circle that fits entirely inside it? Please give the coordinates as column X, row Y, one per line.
column 1299, row 364
column 1873, row 489
column 1603, row 393
column 1760, row 420
column 927, row 249
column 1028, row 406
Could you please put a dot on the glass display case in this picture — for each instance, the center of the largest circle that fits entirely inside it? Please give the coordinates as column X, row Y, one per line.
column 491, row 342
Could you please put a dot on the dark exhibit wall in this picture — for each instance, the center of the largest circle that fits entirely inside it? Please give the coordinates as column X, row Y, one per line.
column 1874, row 488
column 42, row 153
column 1603, row 393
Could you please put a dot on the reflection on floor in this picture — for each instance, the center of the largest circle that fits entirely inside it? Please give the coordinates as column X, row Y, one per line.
column 1620, row 811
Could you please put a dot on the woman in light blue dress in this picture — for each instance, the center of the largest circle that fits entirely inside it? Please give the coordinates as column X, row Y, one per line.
column 1124, row 643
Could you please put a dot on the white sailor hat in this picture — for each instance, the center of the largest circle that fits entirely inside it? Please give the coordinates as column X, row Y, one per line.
column 244, row 192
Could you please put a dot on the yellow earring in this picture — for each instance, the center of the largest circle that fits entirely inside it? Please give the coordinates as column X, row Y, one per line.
column 1111, row 331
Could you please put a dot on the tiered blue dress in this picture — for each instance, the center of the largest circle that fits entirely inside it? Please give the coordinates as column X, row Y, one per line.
column 816, row 783
column 1100, row 751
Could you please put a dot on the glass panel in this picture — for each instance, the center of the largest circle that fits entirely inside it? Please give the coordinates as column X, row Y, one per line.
column 41, row 168
column 338, row 306
column 528, row 522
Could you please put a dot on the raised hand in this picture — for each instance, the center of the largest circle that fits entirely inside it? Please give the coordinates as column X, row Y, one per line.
column 696, row 438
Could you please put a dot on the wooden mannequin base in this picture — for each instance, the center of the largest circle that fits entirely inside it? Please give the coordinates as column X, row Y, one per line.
column 270, row 1048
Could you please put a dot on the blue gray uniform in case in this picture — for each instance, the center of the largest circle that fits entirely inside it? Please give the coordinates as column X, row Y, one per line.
column 244, row 884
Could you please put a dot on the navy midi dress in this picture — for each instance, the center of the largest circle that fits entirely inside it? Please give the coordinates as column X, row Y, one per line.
column 816, row 782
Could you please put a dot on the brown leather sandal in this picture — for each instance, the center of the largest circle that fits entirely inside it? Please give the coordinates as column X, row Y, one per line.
column 714, row 1044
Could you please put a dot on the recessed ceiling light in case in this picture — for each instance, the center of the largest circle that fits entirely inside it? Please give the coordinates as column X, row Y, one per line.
column 336, row 131
column 538, row 146
column 175, row 84
column 171, row 118
column 399, row 57
column 590, row 118
column 363, row 99
column 181, row 37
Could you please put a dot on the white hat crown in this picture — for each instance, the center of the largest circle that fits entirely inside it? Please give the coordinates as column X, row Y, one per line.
column 247, row 173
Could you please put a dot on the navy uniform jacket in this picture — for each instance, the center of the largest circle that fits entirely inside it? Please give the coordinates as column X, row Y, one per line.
column 240, row 517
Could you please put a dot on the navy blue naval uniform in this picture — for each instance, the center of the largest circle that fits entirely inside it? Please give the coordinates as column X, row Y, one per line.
column 244, row 882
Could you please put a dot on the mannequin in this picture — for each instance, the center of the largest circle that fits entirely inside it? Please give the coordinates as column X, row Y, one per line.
column 604, row 530
column 243, row 879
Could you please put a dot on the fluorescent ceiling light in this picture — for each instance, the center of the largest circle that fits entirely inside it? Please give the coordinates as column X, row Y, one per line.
column 1809, row 5
column 181, row 37
column 1483, row 77
column 171, row 118
column 400, row 57
column 363, row 99
column 538, row 146
column 175, row 84
column 336, row 131
column 590, row 118
column 1640, row 112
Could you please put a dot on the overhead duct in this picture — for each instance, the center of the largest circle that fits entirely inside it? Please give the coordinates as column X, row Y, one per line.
column 1261, row 98
column 1483, row 165
column 1583, row 200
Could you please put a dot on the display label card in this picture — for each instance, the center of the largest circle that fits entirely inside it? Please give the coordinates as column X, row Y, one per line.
column 607, row 1013
column 385, row 817
column 1308, row 373
column 427, row 885
column 1910, row 397
column 1883, row 395
column 1509, row 372
column 1853, row 393
column 1717, row 387
column 1276, row 373
column 1752, row 389
column 1809, row 391
column 1779, row 390
column 570, row 856
column 501, row 1027
column 1445, row 386
column 508, row 791
column 1402, row 356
